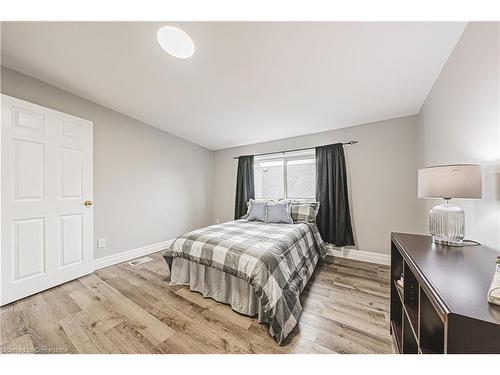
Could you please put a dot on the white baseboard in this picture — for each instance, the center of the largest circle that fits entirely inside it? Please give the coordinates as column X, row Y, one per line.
column 110, row 260
column 130, row 254
column 361, row 255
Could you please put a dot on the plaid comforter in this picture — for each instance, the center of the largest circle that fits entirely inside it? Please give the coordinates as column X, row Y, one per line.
column 277, row 260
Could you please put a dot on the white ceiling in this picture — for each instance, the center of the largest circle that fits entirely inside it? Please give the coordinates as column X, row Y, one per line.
column 247, row 82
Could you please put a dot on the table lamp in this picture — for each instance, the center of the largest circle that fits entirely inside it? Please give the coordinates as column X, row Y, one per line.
column 446, row 221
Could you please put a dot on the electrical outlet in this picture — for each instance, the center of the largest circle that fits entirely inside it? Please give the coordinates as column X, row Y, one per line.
column 101, row 242
column 217, row 221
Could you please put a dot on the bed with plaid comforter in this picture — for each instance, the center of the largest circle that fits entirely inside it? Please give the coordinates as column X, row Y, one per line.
column 277, row 260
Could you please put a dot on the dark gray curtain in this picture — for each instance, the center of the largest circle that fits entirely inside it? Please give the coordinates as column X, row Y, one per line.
column 245, row 189
column 334, row 218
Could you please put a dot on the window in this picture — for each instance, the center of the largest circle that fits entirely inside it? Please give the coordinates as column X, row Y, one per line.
column 269, row 179
column 291, row 175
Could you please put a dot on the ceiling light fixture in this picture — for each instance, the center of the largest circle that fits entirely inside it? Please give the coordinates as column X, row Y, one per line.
column 175, row 42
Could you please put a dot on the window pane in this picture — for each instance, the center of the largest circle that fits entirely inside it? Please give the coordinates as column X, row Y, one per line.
column 301, row 178
column 269, row 179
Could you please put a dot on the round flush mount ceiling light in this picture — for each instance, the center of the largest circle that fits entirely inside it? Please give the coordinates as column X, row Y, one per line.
column 175, row 42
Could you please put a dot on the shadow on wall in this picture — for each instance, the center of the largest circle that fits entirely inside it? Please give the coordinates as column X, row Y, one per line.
column 487, row 214
column 491, row 182
column 351, row 203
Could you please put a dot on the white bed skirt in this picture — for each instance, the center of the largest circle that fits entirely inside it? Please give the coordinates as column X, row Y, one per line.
column 217, row 285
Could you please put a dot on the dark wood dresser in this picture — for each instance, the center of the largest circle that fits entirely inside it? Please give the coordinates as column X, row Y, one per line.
column 442, row 306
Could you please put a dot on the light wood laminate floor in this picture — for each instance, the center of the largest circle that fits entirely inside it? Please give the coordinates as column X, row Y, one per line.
column 127, row 309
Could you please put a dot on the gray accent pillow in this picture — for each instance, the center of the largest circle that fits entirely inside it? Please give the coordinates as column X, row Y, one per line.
column 278, row 212
column 257, row 211
column 257, row 200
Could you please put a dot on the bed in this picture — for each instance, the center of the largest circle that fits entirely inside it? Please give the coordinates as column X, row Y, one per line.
column 260, row 269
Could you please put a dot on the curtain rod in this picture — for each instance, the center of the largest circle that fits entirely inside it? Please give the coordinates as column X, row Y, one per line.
column 297, row 149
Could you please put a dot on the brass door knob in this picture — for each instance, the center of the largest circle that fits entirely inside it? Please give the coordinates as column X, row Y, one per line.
column 88, row 203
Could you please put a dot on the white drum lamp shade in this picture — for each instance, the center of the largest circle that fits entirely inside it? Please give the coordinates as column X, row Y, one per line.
column 450, row 181
column 447, row 222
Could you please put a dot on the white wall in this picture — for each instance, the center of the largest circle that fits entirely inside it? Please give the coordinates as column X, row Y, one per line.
column 149, row 186
column 381, row 173
column 460, row 123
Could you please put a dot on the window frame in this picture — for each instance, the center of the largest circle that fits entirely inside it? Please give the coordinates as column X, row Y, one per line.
column 285, row 158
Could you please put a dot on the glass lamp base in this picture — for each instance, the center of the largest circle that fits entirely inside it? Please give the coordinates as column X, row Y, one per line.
column 447, row 224
column 442, row 241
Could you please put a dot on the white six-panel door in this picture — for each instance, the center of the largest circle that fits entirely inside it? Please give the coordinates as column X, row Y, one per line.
column 46, row 223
